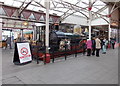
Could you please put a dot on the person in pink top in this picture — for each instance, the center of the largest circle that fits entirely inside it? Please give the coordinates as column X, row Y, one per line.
column 89, row 47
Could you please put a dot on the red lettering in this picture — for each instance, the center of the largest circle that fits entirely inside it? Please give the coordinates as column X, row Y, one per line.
column 22, row 57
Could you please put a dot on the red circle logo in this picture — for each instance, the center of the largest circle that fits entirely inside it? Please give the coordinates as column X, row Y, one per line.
column 24, row 51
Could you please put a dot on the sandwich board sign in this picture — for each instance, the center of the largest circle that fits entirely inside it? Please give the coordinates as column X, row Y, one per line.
column 24, row 52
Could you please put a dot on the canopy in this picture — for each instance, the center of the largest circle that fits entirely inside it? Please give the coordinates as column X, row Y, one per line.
column 62, row 7
column 66, row 8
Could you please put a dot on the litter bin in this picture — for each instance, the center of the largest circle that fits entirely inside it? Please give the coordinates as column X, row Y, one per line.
column 47, row 59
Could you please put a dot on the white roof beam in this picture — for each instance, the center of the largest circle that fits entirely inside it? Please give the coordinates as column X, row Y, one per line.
column 102, row 9
column 113, row 7
column 69, row 10
column 23, row 8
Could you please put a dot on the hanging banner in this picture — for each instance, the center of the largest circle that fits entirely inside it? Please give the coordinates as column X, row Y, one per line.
column 24, row 52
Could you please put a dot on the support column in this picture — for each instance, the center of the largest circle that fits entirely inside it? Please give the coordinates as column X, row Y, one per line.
column 39, row 34
column 119, row 31
column 90, row 18
column 34, row 33
column 10, row 39
column 109, row 30
column 0, row 32
column 118, row 36
column 109, row 26
column 0, row 51
column 47, row 25
column 33, row 37
column 22, row 35
column 0, row 47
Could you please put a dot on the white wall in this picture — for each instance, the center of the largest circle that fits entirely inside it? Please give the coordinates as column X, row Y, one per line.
column 76, row 20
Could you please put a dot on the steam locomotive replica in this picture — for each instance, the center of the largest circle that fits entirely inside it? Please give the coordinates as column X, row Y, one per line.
column 61, row 44
column 70, row 40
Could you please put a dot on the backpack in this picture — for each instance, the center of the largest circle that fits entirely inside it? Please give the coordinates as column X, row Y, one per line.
column 112, row 41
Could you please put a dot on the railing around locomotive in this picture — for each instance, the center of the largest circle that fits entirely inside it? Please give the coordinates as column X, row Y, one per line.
column 75, row 48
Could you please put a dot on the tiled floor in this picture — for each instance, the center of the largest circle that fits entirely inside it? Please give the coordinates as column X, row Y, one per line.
column 80, row 70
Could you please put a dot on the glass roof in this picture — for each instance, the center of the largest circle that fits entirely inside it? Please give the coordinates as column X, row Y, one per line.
column 61, row 7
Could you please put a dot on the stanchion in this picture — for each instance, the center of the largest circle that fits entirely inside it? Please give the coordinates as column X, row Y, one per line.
column 37, row 57
column 75, row 50
column 65, row 53
column 37, row 54
column 45, row 57
column 53, row 59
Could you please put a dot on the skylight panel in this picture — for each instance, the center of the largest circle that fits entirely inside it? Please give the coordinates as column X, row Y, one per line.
column 30, row 7
column 9, row 2
column 17, row 4
column 42, row 2
column 37, row 9
column 71, row 1
column 82, row 5
column 105, row 12
column 95, row 9
column 85, row 1
column 56, row 12
column 98, row 2
column 2, row 0
column 20, row 0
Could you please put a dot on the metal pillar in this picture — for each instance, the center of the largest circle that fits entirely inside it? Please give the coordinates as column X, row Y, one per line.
column 0, row 51
column 118, row 36
column 47, row 25
column 10, row 39
column 109, row 30
column 0, row 32
column 34, row 32
column 109, row 26
column 118, row 31
column 90, row 18
column 22, row 35
column 1, row 46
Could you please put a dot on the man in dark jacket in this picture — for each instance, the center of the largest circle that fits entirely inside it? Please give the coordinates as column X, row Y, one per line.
column 93, row 46
column 113, row 43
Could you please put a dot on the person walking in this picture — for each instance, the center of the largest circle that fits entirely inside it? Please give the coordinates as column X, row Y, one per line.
column 98, row 46
column 113, row 43
column 104, row 45
column 93, row 46
column 89, row 47
column 8, row 41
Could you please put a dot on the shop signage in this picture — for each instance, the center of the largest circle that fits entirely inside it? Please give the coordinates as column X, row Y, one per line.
column 24, row 52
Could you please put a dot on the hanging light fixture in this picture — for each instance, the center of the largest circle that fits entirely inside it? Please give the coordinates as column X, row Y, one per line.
column 25, row 23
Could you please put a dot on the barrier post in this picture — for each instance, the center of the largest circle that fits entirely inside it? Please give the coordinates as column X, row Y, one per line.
column 65, row 52
column 53, row 59
column 37, row 53
column 75, row 50
column 45, row 56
